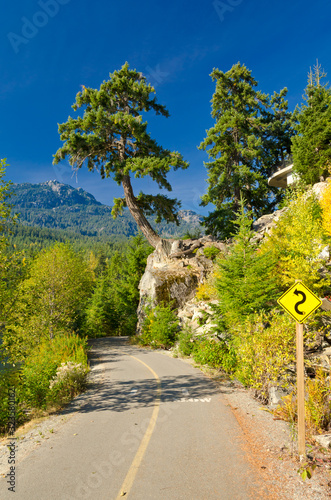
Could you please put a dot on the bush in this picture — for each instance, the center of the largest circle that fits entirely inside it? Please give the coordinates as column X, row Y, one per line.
column 265, row 347
column 160, row 327
column 296, row 242
column 41, row 366
column 70, row 380
column 325, row 203
column 317, row 404
column 211, row 252
column 206, row 291
column 186, row 342
column 214, row 353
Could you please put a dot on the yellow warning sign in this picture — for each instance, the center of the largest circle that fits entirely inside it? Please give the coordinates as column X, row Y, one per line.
column 299, row 301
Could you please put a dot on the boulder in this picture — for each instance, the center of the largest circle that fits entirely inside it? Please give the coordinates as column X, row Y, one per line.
column 173, row 273
column 324, row 440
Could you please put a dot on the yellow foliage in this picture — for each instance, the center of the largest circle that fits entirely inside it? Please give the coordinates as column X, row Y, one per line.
column 264, row 353
column 318, row 407
column 317, row 404
column 325, row 203
column 296, row 242
column 206, row 291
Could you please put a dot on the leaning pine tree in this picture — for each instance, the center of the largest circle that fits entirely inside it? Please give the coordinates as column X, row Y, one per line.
column 112, row 138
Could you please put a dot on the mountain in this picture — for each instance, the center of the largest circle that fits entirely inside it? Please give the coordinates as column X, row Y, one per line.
column 60, row 206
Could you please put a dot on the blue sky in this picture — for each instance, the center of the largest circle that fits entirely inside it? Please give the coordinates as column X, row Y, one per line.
column 49, row 48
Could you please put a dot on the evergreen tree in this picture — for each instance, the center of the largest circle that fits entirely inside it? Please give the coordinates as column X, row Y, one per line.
column 251, row 135
column 112, row 310
column 245, row 282
column 11, row 267
column 312, row 146
column 111, row 138
column 101, row 315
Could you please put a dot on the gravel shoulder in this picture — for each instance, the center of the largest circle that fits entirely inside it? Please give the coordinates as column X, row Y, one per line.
column 270, row 446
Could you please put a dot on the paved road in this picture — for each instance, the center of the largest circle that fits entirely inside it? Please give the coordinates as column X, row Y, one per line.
column 150, row 427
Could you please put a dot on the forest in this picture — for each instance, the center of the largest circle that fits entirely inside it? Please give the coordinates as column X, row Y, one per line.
column 59, row 288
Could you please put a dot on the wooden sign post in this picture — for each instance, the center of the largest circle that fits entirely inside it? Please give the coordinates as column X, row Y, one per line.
column 300, row 302
column 300, row 391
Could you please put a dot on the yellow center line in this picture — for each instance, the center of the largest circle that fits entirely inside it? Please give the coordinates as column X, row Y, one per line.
column 130, row 477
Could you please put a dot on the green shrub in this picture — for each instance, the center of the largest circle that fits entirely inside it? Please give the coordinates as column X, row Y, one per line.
column 70, row 380
column 160, row 327
column 186, row 342
column 214, row 353
column 41, row 366
column 211, row 252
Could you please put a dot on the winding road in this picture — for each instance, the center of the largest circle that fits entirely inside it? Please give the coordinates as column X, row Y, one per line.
column 149, row 427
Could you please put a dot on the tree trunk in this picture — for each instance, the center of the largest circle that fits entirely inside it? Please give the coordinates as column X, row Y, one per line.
column 152, row 237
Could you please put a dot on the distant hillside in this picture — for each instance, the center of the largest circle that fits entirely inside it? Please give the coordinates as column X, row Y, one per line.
column 60, row 206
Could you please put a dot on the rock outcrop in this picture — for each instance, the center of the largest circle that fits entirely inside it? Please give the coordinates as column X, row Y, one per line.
column 174, row 271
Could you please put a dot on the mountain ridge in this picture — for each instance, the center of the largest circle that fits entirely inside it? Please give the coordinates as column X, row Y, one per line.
column 56, row 205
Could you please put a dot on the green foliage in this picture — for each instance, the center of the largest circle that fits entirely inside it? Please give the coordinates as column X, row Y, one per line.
column 186, row 342
column 311, row 147
column 10, row 263
column 50, row 300
column 211, row 252
column 31, row 240
column 69, row 381
column 112, row 309
column 214, row 352
column 193, row 234
column 264, row 347
column 101, row 318
column 317, row 404
column 160, row 327
column 296, row 242
column 111, row 137
column 41, row 366
column 5, row 206
column 245, row 282
column 251, row 135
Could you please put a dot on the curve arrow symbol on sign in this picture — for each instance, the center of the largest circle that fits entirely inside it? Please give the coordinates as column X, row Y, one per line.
column 302, row 301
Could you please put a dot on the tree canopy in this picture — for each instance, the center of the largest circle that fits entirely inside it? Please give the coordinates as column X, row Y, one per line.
column 10, row 272
column 251, row 136
column 312, row 145
column 111, row 137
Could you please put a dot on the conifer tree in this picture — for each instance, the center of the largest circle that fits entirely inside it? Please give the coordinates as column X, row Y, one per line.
column 10, row 262
column 312, row 145
column 245, row 283
column 112, row 139
column 250, row 137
